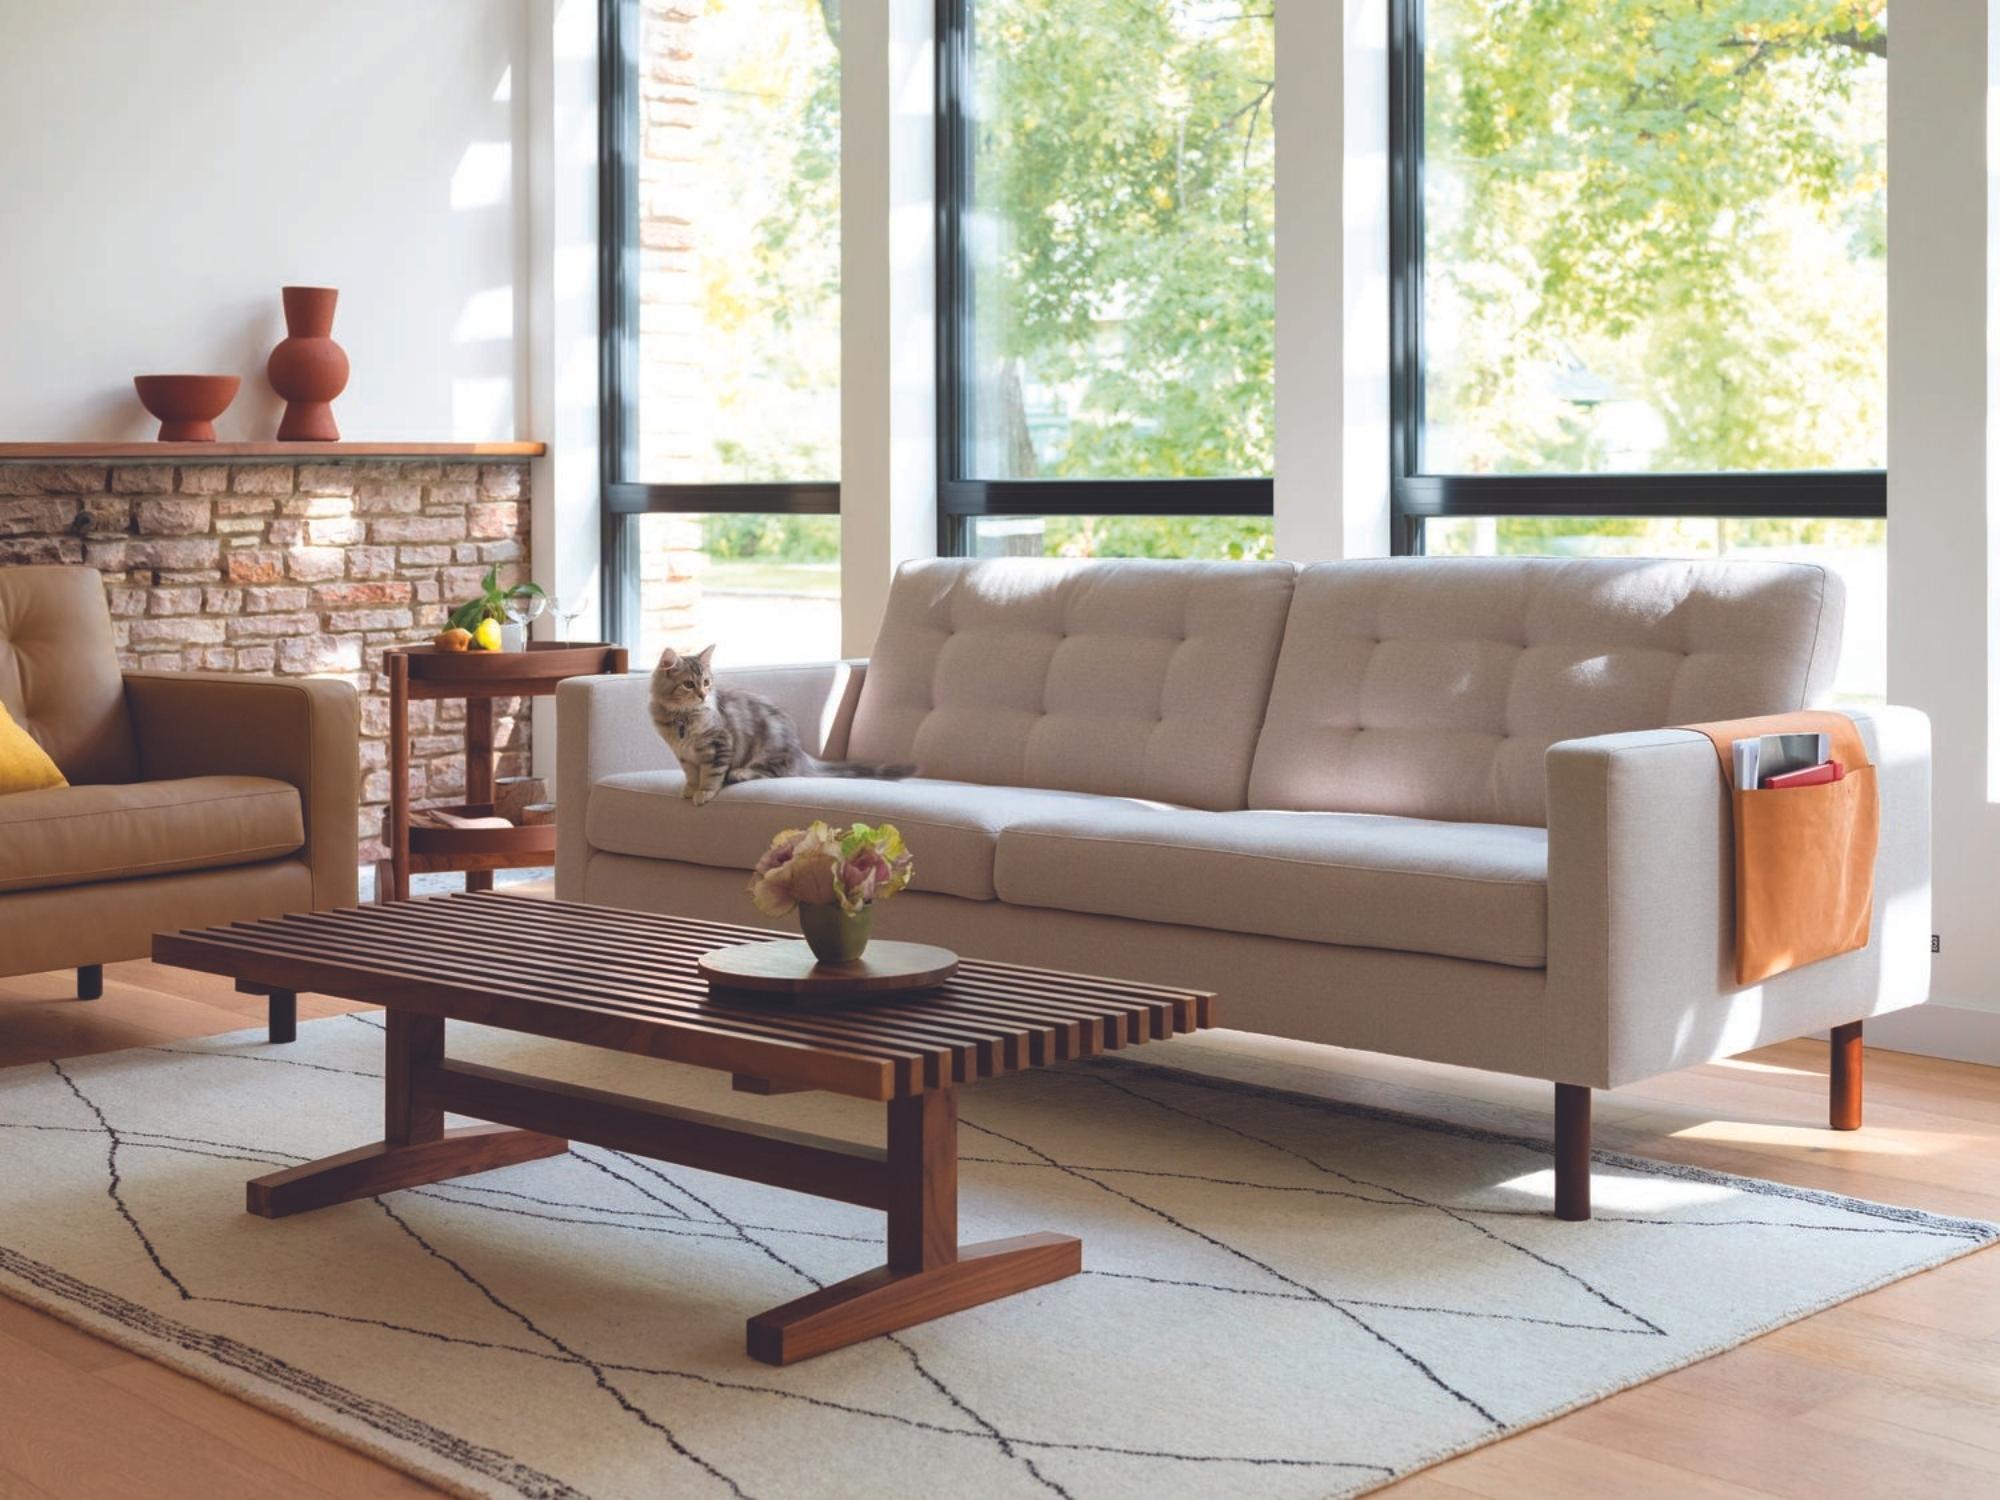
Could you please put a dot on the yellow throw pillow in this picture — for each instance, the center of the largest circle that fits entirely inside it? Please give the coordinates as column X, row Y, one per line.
column 24, row 765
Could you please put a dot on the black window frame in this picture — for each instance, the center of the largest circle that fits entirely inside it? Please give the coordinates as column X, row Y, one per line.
column 625, row 494
column 962, row 498
column 1417, row 496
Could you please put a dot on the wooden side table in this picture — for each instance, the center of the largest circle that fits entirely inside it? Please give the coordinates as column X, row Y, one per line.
column 478, row 677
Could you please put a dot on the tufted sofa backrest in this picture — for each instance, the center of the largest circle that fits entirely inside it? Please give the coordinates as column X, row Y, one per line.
column 59, row 672
column 1138, row 679
column 1433, row 687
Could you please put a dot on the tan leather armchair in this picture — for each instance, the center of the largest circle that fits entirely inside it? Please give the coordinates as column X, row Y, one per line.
column 194, row 798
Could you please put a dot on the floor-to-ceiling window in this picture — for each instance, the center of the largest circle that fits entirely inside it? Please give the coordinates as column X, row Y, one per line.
column 1640, row 292
column 1106, row 276
column 722, row 314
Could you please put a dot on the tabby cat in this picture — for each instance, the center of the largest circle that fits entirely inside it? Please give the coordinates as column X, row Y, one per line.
column 724, row 735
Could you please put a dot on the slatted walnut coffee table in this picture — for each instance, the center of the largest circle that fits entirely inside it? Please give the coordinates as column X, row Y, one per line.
column 626, row 981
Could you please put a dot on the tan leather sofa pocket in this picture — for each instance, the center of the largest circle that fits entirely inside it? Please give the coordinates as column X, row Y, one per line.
column 1805, row 873
column 1805, row 855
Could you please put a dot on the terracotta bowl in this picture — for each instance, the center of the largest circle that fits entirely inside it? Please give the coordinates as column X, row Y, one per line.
column 187, row 405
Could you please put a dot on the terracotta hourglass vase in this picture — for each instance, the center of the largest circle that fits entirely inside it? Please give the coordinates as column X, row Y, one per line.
column 308, row 368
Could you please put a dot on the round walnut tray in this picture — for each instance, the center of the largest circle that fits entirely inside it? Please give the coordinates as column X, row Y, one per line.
column 541, row 659
column 787, row 971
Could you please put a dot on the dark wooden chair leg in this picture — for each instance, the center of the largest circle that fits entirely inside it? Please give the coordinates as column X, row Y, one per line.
column 1572, row 1151
column 90, row 982
column 1844, row 1092
column 283, row 1014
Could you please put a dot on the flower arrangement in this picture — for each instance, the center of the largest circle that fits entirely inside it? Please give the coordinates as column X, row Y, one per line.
column 832, row 877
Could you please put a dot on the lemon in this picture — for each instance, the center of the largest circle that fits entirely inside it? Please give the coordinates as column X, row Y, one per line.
column 487, row 636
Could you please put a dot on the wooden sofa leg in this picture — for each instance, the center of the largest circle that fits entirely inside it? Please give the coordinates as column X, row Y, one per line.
column 1844, row 1091
column 283, row 1013
column 90, row 982
column 1572, row 1151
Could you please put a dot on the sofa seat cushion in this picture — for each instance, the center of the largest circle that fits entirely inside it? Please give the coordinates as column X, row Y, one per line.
column 80, row 835
column 1460, row 890
column 950, row 826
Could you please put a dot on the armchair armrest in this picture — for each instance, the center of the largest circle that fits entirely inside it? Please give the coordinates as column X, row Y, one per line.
column 1641, row 976
column 305, row 731
column 603, row 728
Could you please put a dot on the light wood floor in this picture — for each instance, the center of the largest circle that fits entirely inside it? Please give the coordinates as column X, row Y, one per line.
column 1893, row 1394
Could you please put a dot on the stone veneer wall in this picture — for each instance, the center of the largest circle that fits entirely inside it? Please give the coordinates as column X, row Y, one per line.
column 301, row 569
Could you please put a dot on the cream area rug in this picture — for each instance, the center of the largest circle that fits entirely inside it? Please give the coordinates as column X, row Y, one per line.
column 1282, row 1296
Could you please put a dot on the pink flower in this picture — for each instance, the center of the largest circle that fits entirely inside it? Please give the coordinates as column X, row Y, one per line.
column 818, row 866
column 865, row 876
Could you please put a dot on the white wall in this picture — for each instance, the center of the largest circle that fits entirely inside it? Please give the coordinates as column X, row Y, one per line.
column 1942, row 399
column 166, row 167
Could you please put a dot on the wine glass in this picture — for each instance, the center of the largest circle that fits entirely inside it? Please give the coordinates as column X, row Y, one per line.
column 569, row 609
column 524, row 607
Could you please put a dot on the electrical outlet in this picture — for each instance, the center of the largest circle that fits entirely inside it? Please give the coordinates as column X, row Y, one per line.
column 1935, row 948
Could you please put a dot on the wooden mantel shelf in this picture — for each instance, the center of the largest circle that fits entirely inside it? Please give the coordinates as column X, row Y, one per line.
column 228, row 452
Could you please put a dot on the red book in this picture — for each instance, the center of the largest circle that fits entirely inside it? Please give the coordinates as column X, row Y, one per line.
column 1819, row 775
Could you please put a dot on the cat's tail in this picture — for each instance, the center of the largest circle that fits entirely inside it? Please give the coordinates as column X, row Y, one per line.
column 862, row 770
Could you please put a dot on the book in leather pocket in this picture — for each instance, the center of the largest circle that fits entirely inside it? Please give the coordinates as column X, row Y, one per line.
column 1805, row 855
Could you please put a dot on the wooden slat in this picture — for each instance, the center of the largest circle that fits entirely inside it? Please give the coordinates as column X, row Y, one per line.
column 627, row 980
column 1004, row 1022
column 1058, row 992
column 573, row 978
column 623, row 966
column 837, row 1070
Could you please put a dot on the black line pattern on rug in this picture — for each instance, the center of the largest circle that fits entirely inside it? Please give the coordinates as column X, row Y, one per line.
column 1536, row 1214
column 1270, row 1270
column 164, row 1142
column 1005, row 1444
column 252, row 1057
column 114, row 1184
column 355, row 1406
column 1416, row 1307
column 1444, row 1208
column 114, row 1188
column 1978, row 1230
column 575, row 1356
column 1908, row 1219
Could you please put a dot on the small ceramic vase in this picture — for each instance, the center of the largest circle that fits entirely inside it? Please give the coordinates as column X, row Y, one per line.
column 835, row 936
column 308, row 368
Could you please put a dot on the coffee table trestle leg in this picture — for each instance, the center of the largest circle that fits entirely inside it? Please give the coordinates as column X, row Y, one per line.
column 415, row 1149
column 928, row 1273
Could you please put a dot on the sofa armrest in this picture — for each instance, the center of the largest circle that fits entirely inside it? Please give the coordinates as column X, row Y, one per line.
column 301, row 730
column 603, row 728
column 1641, row 976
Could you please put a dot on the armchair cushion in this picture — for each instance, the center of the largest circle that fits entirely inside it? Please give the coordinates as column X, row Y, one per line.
column 85, row 834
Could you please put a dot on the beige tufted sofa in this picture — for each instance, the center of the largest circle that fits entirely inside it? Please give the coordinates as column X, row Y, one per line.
column 1430, row 807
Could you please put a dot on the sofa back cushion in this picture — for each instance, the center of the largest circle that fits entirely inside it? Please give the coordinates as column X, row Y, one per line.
column 1136, row 679
column 59, row 672
column 1434, row 687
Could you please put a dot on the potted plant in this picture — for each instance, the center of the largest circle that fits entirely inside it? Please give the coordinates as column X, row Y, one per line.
column 481, row 617
column 832, row 877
